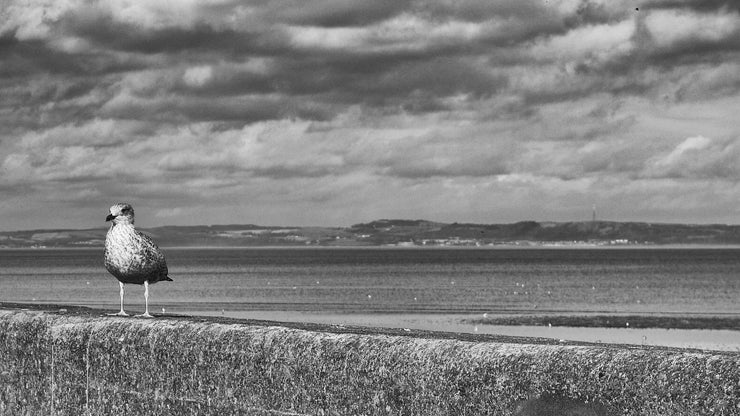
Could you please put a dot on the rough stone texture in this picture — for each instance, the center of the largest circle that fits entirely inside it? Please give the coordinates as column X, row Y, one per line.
column 84, row 363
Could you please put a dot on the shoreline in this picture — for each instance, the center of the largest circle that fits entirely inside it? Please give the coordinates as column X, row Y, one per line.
column 626, row 320
column 727, row 340
column 534, row 245
column 710, row 320
column 717, row 332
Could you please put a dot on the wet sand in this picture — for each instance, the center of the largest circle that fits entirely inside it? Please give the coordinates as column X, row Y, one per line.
column 707, row 339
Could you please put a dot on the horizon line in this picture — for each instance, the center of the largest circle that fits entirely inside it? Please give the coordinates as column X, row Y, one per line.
column 382, row 219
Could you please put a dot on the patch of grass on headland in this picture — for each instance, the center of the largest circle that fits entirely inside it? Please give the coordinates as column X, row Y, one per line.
column 613, row 321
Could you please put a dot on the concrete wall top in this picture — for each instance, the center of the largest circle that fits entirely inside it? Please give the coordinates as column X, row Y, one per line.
column 70, row 360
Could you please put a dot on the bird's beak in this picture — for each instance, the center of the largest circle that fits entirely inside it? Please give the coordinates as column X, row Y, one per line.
column 109, row 217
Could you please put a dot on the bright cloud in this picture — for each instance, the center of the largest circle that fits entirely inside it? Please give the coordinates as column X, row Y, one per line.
column 596, row 42
column 198, row 75
column 672, row 26
column 403, row 33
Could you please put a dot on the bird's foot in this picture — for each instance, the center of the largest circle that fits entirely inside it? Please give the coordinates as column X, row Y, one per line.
column 120, row 313
column 144, row 315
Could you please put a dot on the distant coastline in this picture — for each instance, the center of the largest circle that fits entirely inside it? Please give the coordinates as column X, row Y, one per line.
column 405, row 233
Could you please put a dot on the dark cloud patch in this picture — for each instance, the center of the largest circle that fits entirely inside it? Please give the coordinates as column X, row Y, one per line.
column 418, row 85
column 8, row 41
column 105, row 32
column 60, row 89
column 334, row 13
column 37, row 102
column 569, row 89
column 696, row 5
column 77, row 87
column 119, row 36
column 693, row 51
column 425, row 169
column 623, row 161
column 331, row 75
column 293, row 172
column 23, row 58
column 441, row 77
column 239, row 109
column 20, row 119
column 482, row 10
column 179, row 110
column 590, row 13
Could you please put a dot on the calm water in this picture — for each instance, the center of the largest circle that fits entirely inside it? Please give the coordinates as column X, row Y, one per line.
column 393, row 280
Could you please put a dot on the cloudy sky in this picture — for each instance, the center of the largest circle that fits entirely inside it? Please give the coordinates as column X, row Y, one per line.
column 333, row 112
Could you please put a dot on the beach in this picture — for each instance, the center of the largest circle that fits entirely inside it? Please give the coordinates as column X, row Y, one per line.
column 706, row 339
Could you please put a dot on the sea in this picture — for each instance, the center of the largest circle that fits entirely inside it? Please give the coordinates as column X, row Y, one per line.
column 421, row 288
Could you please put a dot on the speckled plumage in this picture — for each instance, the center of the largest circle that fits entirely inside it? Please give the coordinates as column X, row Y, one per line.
column 131, row 256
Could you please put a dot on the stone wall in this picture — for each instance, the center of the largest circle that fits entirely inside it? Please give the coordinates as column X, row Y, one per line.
column 76, row 361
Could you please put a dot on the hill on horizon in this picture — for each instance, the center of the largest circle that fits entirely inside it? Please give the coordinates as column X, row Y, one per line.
column 399, row 232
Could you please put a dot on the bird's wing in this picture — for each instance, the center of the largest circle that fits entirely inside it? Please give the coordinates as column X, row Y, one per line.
column 152, row 253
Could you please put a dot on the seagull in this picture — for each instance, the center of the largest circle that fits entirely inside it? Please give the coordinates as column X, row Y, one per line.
column 131, row 256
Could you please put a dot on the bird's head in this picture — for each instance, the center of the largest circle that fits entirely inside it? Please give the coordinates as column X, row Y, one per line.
column 121, row 213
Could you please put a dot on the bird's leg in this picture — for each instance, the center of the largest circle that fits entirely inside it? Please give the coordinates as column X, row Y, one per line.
column 121, row 312
column 146, row 301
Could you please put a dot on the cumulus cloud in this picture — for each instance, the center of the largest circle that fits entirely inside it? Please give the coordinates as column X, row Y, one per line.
column 198, row 75
column 698, row 157
column 673, row 26
column 351, row 110
column 404, row 33
column 594, row 42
